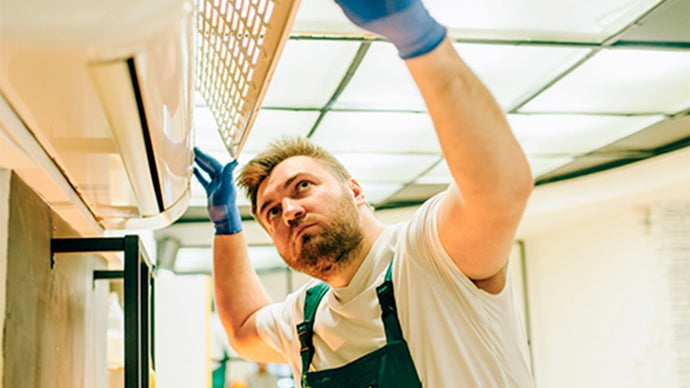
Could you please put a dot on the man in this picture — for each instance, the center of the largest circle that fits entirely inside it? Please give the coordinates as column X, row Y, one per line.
column 424, row 303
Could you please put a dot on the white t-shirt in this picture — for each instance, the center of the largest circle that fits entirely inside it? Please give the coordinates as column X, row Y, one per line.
column 458, row 334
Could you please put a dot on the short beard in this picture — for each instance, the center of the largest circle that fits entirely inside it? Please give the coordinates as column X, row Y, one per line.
column 334, row 246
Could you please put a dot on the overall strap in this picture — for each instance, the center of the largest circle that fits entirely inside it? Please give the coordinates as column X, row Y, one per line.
column 389, row 312
column 305, row 329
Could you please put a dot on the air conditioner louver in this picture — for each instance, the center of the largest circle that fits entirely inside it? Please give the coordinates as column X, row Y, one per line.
column 118, row 87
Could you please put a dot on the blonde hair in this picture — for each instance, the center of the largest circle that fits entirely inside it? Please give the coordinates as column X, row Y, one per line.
column 260, row 167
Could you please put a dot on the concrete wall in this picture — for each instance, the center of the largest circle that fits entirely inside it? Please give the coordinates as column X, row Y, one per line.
column 55, row 319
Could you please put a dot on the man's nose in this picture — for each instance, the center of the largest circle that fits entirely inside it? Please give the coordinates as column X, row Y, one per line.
column 292, row 211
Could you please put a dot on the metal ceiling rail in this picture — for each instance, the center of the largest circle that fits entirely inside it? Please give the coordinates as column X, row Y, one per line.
column 620, row 44
column 419, row 111
column 531, row 95
column 354, row 65
column 413, row 180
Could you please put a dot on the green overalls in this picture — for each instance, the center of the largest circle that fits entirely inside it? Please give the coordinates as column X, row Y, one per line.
column 218, row 374
column 388, row 367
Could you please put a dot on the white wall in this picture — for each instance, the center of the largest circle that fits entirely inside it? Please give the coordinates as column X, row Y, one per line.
column 586, row 286
column 182, row 331
column 609, row 278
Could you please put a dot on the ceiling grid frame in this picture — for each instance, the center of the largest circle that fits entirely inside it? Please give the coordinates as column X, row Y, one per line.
column 610, row 43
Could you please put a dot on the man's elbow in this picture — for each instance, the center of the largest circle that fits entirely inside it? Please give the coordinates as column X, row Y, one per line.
column 521, row 181
column 516, row 190
column 524, row 187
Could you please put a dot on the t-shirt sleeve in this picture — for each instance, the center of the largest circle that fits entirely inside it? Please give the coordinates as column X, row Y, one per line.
column 426, row 253
column 276, row 324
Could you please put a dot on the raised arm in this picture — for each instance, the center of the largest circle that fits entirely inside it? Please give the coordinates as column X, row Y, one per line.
column 238, row 291
column 491, row 178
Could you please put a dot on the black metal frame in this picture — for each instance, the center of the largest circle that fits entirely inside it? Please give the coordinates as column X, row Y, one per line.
column 139, row 298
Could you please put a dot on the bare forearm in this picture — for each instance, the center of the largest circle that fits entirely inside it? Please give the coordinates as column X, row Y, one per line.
column 238, row 291
column 479, row 214
column 481, row 151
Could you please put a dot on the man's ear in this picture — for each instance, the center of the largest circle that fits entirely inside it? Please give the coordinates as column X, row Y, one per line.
column 357, row 191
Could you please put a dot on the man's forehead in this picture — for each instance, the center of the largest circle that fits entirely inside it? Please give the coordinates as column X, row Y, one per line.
column 295, row 162
column 288, row 169
column 291, row 167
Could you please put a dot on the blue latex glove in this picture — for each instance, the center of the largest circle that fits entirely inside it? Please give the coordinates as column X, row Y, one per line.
column 405, row 23
column 221, row 192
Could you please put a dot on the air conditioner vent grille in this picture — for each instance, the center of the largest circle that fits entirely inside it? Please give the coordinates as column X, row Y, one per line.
column 238, row 46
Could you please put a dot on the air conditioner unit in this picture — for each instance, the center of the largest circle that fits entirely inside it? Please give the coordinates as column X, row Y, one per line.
column 105, row 88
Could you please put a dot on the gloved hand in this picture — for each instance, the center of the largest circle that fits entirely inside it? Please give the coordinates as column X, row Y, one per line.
column 221, row 192
column 405, row 23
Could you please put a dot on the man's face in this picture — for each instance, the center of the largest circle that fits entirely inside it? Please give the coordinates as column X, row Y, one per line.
column 311, row 216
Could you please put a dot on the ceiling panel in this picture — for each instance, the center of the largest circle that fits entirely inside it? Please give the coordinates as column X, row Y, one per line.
column 573, row 134
column 378, row 192
column 377, row 132
column 206, row 135
column 386, row 168
column 271, row 124
column 323, row 17
column 439, row 174
column 621, row 81
column 381, row 82
column 578, row 20
column 539, row 165
column 669, row 131
column 512, row 73
column 308, row 73
column 416, row 193
column 583, row 20
column 668, row 23
column 585, row 163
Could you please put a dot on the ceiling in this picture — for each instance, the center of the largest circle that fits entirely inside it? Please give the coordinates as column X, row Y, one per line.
column 587, row 85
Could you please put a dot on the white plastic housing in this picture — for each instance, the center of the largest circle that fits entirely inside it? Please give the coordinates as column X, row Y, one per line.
column 105, row 89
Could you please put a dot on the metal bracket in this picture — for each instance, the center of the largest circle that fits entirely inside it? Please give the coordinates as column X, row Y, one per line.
column 139, row 287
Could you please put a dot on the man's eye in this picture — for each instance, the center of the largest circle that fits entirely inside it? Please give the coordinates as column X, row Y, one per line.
column 272, row 212
column 303, row 185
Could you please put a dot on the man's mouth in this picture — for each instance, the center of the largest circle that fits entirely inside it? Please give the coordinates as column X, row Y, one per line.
column 300, row 230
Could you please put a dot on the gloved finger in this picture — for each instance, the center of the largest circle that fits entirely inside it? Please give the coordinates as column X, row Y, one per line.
column 204, row 183
column 207, row 162
column 204, row 165
column 227, row 171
